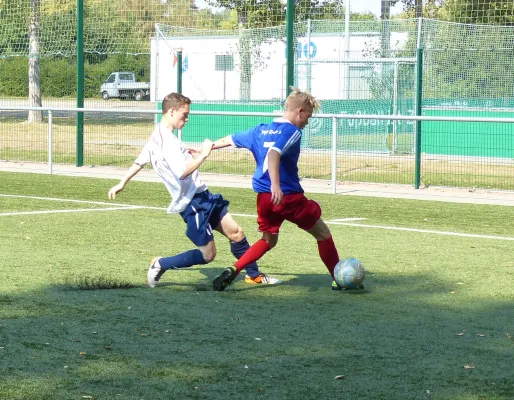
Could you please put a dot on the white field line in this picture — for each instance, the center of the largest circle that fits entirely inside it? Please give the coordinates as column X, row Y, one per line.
column 67, row 211
column 244, row 215
column 100, row 203
column 333, row 222
column 395, row 228
column 348, row 219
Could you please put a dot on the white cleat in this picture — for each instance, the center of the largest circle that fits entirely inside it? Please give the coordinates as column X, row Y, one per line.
column 262, row 279
column 154, row 272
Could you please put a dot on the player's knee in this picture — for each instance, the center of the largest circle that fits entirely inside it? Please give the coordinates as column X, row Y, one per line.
column 209, row 257
column 272, row 240
column 236, row 235
column 324, row 235
column 209, row 254
column 320, row 231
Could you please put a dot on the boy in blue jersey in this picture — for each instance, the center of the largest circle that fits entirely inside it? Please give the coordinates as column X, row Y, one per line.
column 280, row 197
column 202, row 211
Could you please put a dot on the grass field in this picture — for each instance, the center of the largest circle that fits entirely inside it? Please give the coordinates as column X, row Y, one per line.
column 77, row 322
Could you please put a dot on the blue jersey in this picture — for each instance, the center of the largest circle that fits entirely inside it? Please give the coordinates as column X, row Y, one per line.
column 282, row 136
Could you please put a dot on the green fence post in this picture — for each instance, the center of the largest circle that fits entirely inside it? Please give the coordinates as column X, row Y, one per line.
column 79, row 162
column 179, row 71
column 290, row 46
column 419, row 89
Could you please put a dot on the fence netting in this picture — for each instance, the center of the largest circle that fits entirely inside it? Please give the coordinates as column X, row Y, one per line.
column 234, row 59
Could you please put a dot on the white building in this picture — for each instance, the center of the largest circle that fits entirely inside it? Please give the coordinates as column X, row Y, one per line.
column 321, row 66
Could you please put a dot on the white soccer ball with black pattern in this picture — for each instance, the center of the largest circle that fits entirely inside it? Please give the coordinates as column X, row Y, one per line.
column 349, row 273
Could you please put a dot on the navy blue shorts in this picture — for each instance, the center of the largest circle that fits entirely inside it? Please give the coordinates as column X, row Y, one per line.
column 202, row 215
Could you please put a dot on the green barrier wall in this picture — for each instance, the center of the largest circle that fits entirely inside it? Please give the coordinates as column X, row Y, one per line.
column 438, row 137
column 370, row 135
column 215, row 127
column 477, row 139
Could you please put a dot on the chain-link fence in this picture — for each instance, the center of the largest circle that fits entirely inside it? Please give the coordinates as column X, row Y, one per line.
column 234, row 59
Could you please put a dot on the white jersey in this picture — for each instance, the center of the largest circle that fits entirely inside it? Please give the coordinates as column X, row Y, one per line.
column 169, row 158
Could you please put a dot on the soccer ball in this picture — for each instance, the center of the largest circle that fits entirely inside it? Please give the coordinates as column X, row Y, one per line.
column 349, row 273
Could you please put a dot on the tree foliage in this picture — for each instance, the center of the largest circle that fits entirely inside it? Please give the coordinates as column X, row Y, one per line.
column 266, row 13
column 493, row 12
column 500, row 12
column 125, row 26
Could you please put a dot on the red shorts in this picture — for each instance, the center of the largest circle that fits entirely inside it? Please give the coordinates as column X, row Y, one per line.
column 295, row 208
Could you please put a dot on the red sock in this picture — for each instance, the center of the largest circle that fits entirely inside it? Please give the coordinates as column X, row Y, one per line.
column 256, row 251
column 328, row 253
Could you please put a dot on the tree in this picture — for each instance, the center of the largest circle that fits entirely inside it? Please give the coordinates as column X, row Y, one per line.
column 385, row 16
column 34, row 55
column 367, row 16
column 311, row 9
column 14, row 18
column 471, row 58
column 497, row 12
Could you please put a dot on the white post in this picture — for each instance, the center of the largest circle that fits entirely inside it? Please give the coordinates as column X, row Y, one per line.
column 157, row 51
column 156, row 75
column 309, row 71
column 334, row 155
column 420, row 19
column 347, row 47
column 50, row 142
column 394, row 145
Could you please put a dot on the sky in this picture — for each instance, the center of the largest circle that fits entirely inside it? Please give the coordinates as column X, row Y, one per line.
column 359, row 6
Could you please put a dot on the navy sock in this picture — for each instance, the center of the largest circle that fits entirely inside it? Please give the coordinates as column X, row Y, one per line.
column 182, row 260
column 238, row 249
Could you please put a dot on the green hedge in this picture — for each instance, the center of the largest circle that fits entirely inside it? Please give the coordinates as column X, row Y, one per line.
column 14, row 80
column 58, row 75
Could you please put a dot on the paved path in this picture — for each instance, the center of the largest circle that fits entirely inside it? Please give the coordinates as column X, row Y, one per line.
column 112, row 104
column 309, row 185
column 88, row 103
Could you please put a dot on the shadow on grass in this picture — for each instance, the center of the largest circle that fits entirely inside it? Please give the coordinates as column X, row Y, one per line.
column 309, row 282
column 408, row 337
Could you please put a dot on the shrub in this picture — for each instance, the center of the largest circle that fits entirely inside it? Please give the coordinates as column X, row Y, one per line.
column 58, row 75
column 14, row 79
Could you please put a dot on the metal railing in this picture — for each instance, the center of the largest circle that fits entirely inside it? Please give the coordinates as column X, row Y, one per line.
column 335, row 150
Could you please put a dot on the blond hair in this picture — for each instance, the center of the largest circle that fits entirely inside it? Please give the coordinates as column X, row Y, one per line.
column 299, row 99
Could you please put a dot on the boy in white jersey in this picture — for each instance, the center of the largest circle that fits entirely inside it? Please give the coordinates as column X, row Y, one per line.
column 280, row 197
column 202, row 211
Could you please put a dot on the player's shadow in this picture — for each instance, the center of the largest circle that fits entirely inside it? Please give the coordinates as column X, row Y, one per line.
column 312, row 282
column 316, row 281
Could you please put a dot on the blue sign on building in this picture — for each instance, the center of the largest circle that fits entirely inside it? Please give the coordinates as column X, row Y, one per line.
column 304, row 50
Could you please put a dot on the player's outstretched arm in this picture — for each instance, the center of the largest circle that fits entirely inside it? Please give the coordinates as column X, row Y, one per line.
column 199, row 157
column 223, row 142
column 218, row 144
column 132, row 171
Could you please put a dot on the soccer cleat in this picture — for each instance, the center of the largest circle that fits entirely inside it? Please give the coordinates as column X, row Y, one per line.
column 262, row 279
column 154, row 272
column 223, row 280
